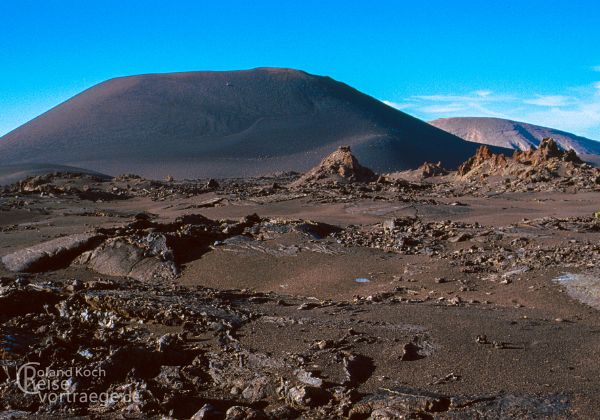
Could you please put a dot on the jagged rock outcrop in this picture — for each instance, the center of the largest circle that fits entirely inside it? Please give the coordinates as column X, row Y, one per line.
column 483, row 157
column 341, row 166
column 547, row 150
column 548, row 155
column 429, row 169
column 547, row 167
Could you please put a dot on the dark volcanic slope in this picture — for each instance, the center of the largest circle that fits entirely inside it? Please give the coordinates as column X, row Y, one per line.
column 516, row 135
column 226, row 124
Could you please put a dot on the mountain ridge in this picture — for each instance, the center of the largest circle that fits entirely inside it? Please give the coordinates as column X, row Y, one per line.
column 516, row 135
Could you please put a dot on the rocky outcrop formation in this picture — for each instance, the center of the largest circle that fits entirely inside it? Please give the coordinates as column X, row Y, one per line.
column 340, row 166
column 545, row 168
column 146, row 250
column 547, row 150
column 50, row 255
column 429, row 169
column 483, row 157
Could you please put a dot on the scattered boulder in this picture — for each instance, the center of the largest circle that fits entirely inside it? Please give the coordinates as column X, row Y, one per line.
column 309, row 378
column 258, row 389
column 239, row 412
column 307, row 396
column 411, row 351
column 358, row 368
column 406, row 403
column 51, row 255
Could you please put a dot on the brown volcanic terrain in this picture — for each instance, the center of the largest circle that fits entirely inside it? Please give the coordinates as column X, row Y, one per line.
column 223, row 124
column 342, row 296
column 516, row 135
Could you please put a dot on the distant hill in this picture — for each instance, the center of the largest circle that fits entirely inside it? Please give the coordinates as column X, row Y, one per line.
column 516, row 135
column 225, row 124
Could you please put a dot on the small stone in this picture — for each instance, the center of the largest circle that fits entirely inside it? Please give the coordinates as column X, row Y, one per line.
column 322, row 344
column 22, row 281
column 75, row 286
column 238, row 412
column 309, row 378
column 460, row 238
column 308, row 396
column 499, row 345
column 307, row 306
column 455, row 300
column 212, row 184
column 410, row 352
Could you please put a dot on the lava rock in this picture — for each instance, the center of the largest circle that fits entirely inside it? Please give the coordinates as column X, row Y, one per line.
column 238, row 412
column 50, row 255
column 118, row 257
column 308, row 396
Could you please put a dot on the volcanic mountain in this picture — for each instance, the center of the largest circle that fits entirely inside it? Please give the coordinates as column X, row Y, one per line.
column 517, row 135
column 226, row 124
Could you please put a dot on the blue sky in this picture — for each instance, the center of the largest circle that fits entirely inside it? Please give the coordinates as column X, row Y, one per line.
column 535, row 61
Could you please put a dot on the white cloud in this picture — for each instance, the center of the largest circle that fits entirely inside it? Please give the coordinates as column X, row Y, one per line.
column 483, row 93
column 577, row 111
column 549, row 100
column 477, row 103
column 581, row 119
column 398, row 105
column 479, row 96
column 451, row 107
column 485, row 111
column 445, row 98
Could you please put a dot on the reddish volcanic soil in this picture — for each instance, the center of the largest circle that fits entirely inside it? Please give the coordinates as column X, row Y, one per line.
column 445, row 296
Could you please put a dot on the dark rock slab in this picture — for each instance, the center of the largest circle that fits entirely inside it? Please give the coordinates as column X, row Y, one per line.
column 121, row 258
column 50, row 255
